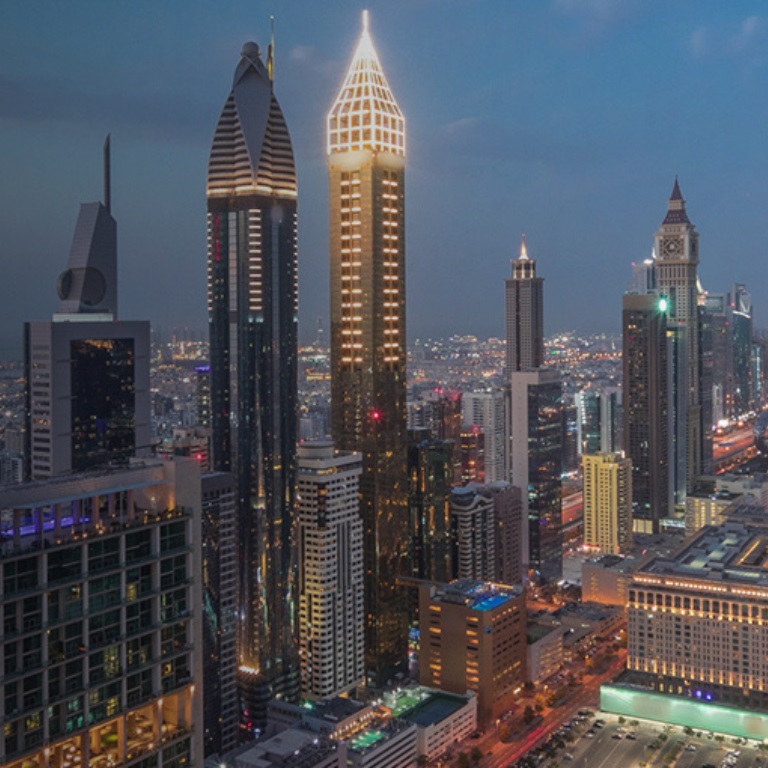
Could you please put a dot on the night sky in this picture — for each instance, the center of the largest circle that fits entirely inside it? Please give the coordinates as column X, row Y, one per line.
column 564, row 119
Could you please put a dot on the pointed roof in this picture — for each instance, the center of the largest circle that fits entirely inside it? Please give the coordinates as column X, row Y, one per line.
column 676, row 213
column 365, row 114
column 251, row 152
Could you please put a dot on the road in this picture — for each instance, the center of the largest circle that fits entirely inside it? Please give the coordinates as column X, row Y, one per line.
column 586, row 696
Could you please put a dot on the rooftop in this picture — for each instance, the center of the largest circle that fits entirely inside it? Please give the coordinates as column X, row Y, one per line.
column 425, row 706
column 477, row 595
column 732, row 552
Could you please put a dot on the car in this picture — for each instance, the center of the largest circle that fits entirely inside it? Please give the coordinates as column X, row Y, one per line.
column 600, row 722
column 586, row 713
column 691, row 748
column 590, row 734
column 617, row 736
column 568, row 756
column 632, row 736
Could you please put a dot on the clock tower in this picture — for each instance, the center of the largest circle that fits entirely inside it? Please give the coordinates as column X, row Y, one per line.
column 677, row 259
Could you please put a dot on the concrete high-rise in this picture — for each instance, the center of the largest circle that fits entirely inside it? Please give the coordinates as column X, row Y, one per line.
column 87, row 396
column 525, row 315
column 646, row 426
column 487, row 409
column 252, row 316
column 677, row 249
column 473, row 533
column 332, row 615
column 608, row 502
column 366, row 160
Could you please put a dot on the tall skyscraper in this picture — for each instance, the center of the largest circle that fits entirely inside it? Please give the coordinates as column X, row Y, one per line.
column 332, row 615
column 535, row 422
column 525, row 315
column 646, row 423
column 677, row 249
column 740, row 314
column 252, row 316
column 608, row 502
column 473, row 533
column 366, row 159
column 87, row 397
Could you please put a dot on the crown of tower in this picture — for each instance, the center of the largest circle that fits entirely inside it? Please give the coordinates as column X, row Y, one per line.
column 365, row 114
column 676, row 213
column 524, row 268
column 252, row 152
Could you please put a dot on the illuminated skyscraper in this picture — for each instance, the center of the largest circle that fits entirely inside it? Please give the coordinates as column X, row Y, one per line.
column 366, row 158
column 252, row 314
column 677, row 247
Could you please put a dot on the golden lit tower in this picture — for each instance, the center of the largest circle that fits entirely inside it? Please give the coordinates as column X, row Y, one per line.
column 366, row 158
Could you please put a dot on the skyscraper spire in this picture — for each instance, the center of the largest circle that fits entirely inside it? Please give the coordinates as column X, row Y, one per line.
column 676, row 213
column 523, row 250
column 271, row 53
column 365, row 114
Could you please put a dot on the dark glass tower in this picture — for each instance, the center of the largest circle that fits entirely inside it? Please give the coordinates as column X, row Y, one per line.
column 252, row 313
column 646, row 443
column 366, row 159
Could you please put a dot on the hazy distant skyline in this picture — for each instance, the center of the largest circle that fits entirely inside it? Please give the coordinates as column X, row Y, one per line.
column 567, row 120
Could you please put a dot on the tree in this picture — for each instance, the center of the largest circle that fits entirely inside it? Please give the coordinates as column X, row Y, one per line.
column 505, row 731
column 622, row 720
column 423, row 760
column 463, row 761
column 477, row 755
column 528, row 715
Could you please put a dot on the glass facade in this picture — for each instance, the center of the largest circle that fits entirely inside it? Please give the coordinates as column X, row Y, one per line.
column 103, row 385
column 545, row 456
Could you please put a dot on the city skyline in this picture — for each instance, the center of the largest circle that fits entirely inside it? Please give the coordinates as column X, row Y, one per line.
column 527, row 112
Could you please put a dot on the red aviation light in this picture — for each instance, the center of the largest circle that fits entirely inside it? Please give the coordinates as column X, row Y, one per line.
column 376, row 415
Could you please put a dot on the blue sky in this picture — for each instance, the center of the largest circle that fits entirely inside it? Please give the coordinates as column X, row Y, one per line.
column 563, row 119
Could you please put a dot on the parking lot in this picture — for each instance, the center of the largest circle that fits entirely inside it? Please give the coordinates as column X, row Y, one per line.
column 643, row 744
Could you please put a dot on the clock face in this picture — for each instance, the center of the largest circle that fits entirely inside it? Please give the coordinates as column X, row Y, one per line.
column 672, row 247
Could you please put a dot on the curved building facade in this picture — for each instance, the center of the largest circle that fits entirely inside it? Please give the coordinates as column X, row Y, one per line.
column 252, row 312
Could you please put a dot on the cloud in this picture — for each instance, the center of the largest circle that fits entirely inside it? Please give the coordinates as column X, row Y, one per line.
column 594, row 19
column 745, row 38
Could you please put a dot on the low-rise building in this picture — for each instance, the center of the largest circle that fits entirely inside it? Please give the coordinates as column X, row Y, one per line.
column 473, row 637
column 545, row 651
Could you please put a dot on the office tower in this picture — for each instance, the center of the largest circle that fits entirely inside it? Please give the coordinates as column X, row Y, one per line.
column 473, row 639
column 611, row 433
column 508, row 530
column 430, row 479
column 101, row 614
column 740, row 316
column 87, row 373
column 608, row 502
column 588, row 421
column 366, row 160
column 677, row 249
column 759, row 367
column 715, row 353
column 697, row 619
column 536, row 419
column 643, row 278
column 203, row 386
column 221, row 714
column 332, row 616
column 645, row 365
column 252, row 318
column 472, row 453
column 525, row 315
column 473, row 537
column 487, row 409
